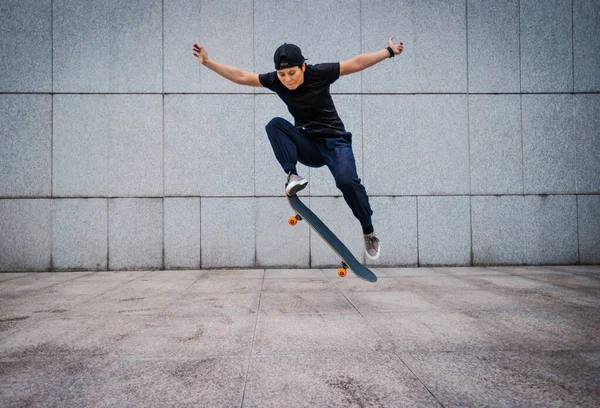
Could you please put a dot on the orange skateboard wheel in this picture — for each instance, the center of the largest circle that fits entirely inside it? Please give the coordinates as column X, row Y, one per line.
column 292, row 221
column 342, row 272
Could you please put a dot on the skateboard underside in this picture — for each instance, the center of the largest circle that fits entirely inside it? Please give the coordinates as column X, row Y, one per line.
column 302, row 212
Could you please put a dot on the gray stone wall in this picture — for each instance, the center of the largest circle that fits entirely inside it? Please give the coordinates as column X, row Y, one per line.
column 480, row 144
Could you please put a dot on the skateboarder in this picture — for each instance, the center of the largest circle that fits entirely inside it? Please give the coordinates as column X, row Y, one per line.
column 318, row 136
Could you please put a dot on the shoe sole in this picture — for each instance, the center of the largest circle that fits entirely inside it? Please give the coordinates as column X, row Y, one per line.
column 293, row 188
column 376, row 257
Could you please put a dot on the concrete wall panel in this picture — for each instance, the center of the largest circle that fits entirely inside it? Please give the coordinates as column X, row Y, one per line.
column 498, row 232
column 228, row 232
column 588, row 212
column 493, row 45
column 549, row 149
column 441, row 131
column 380, row 20
column 182, row 233
column 496, row 150
column 135, row 233
column 586, row 53
column 546, row 46
column 550, row 229
column 25, row 235
column 444, row 230
column 209, row 145
column 108, row 145
column 107, row 46
column 391, row 161
column 586, row 114
column 80, row 234
column 26, row 145
column 440, row 46
column 26, row 46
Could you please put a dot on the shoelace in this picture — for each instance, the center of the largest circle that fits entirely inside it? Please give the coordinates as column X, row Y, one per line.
column 373, row 240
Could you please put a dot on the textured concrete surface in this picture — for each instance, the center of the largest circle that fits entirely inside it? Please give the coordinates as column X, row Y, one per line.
column 107, row 145
column 589, row 220
column 586, row 114
column 492, row 101
column 440, row 43
column 135, row 233
column 586, row 53
column 24, row 26
column 96, row 50
column 25, row 234
column 26, row 139
column 79, row 232
column 493, row 45
column 182, row 233
column 432, row 337
column 444, row 231
column 546, row 46
column 549, row 145
column 381, row 19
column 495, row 144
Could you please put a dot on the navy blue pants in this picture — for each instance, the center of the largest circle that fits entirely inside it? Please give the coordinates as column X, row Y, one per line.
column 292, row 145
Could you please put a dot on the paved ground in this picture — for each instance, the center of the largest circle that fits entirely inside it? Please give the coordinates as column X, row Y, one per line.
column 505, row 336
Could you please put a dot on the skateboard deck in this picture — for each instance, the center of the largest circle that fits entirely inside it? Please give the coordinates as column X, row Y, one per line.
column 348, row 260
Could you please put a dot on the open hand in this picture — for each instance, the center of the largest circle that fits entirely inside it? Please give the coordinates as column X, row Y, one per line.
column 396, row 48
column 200, row 53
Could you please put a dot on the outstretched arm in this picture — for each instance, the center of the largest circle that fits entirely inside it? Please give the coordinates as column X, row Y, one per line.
column 226, row 71
column 363, row 61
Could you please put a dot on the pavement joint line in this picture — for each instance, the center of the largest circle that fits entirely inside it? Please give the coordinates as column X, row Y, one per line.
column 25, row 274
column 393, row 348
column 182, row 292
column 99, row 359
column 253, row 339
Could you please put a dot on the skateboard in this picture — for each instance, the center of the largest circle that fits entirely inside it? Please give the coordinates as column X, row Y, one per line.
column 302, row 212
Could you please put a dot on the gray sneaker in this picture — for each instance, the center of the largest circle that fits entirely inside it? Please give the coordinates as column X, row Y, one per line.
column 372, row 248
column 294, row 184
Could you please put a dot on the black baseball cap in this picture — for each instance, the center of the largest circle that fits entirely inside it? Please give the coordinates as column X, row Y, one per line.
column 287, row 56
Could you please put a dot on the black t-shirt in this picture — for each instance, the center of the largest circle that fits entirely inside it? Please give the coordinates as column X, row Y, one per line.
column 310, row 104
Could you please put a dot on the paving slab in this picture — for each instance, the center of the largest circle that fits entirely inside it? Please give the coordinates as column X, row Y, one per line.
column 27, row 383
column 348, row 333
column 67, row 337
column 169, row 337
column 334, row 380
column 292, row 303
column 509, row 379
column 208, row 382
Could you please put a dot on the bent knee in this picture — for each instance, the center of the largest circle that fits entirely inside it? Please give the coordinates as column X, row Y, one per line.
column 276, row 123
